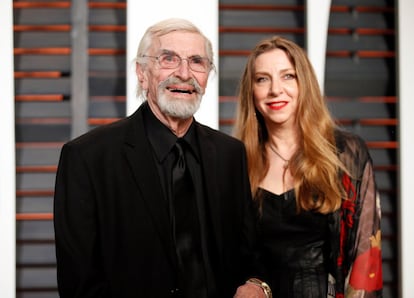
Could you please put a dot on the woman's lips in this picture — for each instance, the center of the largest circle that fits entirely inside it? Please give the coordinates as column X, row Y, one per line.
column 277, row 105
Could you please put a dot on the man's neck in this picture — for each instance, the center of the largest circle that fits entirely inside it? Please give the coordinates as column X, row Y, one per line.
column 178, row 126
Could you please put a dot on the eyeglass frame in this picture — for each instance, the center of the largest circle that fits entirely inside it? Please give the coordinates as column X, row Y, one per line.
column 168, row 53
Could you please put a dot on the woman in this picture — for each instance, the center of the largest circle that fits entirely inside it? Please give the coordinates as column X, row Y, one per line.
column 313, row 183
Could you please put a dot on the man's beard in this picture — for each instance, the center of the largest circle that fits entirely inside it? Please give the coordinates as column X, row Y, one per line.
column 176, row 107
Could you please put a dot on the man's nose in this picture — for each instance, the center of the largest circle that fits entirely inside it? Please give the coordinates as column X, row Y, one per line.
column 183, row 70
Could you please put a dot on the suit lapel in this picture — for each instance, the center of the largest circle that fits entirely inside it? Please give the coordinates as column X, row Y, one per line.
column 209, row 167
column 139, row 155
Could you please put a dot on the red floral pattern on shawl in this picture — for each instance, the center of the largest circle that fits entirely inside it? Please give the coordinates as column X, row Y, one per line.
column 355, row 228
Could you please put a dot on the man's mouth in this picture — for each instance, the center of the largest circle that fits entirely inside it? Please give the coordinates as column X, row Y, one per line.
column 181, row 90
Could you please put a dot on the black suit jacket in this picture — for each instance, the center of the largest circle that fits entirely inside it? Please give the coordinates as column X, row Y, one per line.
column 113, row 236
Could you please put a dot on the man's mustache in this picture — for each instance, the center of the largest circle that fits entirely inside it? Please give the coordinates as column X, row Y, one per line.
column 174, row 80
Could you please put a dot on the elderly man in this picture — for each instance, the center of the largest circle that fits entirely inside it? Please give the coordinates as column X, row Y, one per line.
column 156, row 204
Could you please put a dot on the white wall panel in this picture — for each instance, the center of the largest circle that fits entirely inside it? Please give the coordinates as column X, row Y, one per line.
column 406, row 141
column 7, row 155
column 317, row 20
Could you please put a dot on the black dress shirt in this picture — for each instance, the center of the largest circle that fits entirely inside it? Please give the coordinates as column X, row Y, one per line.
column 162, row 141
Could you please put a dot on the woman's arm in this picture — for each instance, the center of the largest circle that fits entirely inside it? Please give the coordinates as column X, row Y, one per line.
column 365, row 275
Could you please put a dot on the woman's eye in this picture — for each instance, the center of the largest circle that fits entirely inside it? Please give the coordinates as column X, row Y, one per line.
column 289, row 76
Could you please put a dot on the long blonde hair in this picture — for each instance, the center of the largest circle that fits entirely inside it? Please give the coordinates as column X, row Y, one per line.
column 315, row 165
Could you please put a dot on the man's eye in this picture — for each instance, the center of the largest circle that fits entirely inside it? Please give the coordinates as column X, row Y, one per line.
column 197, row 60
column 168, row 58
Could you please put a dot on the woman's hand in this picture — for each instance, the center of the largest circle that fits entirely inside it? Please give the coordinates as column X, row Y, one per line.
column 250, row 290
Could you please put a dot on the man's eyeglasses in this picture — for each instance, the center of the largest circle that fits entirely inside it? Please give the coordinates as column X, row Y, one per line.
column 171, row 61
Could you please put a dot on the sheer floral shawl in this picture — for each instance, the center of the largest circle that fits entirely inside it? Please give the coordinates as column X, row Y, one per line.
column 356, row 264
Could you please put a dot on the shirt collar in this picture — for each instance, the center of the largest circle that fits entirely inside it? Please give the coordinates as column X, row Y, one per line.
column 162, row 139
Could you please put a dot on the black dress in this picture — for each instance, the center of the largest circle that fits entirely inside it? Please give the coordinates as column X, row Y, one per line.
column 293, row 247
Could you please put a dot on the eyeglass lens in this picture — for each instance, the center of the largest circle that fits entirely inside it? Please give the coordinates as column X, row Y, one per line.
column 196, row 63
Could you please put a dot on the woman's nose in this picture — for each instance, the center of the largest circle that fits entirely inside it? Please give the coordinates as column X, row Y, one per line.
column 276, row 87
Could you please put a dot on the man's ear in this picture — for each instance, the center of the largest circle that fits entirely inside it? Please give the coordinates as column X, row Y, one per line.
column 141, row 75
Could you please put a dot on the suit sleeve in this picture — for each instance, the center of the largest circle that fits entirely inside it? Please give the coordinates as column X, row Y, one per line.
column 79, row 273
column 250, row 251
